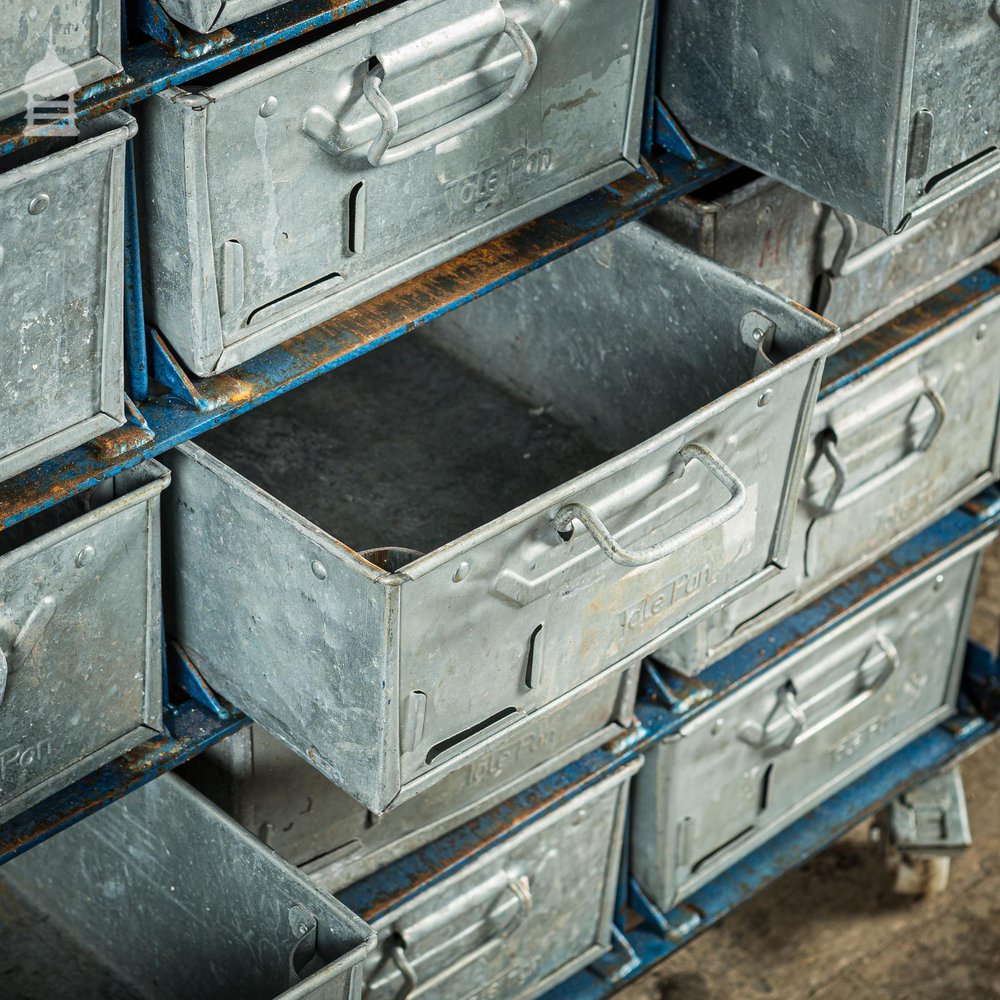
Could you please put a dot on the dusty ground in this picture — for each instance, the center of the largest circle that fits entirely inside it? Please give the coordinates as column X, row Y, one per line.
column 833, row 930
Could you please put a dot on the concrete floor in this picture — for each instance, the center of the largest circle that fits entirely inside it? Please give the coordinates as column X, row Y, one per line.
column 834, row 930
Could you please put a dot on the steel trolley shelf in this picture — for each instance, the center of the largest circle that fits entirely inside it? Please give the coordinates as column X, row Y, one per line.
column 157, row 54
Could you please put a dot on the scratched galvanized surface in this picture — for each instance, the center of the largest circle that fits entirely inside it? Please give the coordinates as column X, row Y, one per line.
column 405, row 879
column 856, row 359
column 354, row 333
column 929, row 547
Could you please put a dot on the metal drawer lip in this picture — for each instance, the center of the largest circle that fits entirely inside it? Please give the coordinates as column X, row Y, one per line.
column 143, row 485
column 169, row 845
column 105, row 62
column 215, row 340
column 116, row 128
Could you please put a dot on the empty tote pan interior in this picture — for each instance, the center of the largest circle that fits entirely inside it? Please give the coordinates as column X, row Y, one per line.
column 437, row 434
column 181, row 902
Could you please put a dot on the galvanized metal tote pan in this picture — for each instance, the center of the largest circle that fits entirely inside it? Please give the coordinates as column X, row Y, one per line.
column 513, row 919
column 80, row 636
column 279, row 196
column 470, row 524
column 750, row 763
column 293, row 808
column 848, row 271
column 886, row 110
column 906, row 429
column 50, row 49
column 178, row 901
column 61, row 290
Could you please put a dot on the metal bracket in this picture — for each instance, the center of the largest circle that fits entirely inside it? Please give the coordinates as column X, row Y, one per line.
column 677, row 691
column 668, row 135
column 124, row 440
column 136, row 418
column 618, row 964
column 170, row 372
column 304, row 951
column 757, row 331
column 184, row 44
column 185, row 675
column 677, row 925
column 931, row 819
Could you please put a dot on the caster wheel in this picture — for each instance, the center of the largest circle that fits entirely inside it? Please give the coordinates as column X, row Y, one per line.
column 920, row 875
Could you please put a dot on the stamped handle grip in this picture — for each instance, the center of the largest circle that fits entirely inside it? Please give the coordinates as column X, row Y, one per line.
column 788, row 708
column 623, row 556
column 382, row 151
column 847, row 260
column 516, row 891
column 838, row 497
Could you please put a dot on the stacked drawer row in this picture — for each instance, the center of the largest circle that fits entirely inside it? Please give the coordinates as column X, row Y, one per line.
column 436, row 621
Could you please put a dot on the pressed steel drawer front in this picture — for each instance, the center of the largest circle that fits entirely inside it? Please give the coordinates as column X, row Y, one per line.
column 886, row 111
column 308, row 820
column 332, row 173
column 80, row 671
column 762, row 756
column 955, row 100
column 521, row 917
column 61, row 260
column 895, row 444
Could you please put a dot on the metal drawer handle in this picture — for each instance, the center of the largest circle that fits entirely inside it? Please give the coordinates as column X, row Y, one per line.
column 836, row 499
column 762, row 737
column 846, row 262
column 617, row 553
column 27, row 638
column 382, row 151
column 521, row 889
